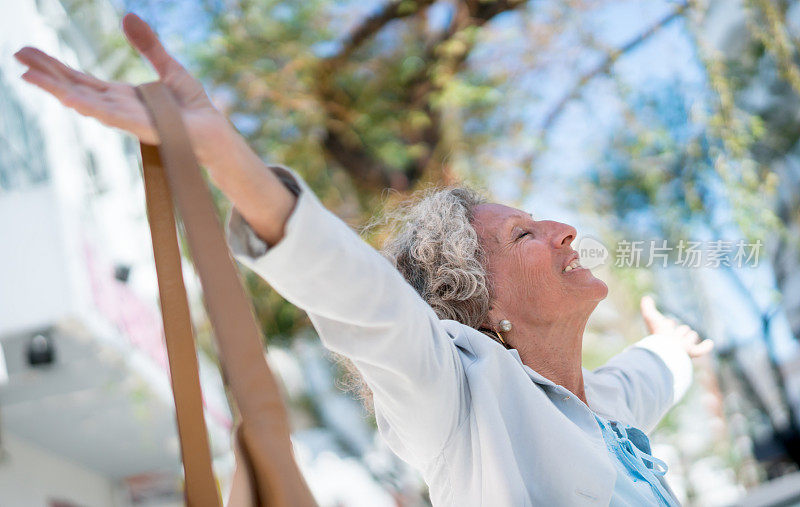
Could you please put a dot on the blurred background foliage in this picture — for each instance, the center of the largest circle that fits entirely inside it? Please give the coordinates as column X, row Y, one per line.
column 361, row 97
column 398, row 95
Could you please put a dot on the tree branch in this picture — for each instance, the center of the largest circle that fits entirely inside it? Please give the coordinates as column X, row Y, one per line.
column 373, row 24
column 605, row 66
column 482, row 11
column 341, row 142
column 367, row 171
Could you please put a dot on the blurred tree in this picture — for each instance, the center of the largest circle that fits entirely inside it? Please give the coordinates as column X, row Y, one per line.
column 743, row 135
column 760, row 61
column 361, row 97
column 726, row 158
column 370, row 104
column 356, row 114
column 403, row 100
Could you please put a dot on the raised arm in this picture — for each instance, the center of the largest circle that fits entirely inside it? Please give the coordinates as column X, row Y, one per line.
column 231, row 164
column 358, row 302
column 654, row 373
column 363, row 308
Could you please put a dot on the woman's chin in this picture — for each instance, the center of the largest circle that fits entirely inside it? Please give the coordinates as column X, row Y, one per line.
column 602, row 289
column 594, row 289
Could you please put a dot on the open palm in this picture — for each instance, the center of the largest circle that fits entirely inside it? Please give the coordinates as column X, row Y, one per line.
column 117, row 104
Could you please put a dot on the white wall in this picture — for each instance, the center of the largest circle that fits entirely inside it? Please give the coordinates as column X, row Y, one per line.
column 112, row 416
column 35, row 291
column 32, row 477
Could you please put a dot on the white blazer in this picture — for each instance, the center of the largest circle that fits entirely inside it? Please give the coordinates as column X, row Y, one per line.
column 482, row 428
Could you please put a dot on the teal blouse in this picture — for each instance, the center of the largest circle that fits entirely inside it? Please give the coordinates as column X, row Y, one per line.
column 637, row 481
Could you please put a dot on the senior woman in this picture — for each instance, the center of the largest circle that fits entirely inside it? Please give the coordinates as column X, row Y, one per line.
column 470, row 339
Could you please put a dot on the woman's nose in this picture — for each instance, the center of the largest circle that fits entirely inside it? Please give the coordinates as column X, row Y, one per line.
column 562, row 234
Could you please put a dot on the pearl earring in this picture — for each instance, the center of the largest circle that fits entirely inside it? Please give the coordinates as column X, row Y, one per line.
column 505, row 326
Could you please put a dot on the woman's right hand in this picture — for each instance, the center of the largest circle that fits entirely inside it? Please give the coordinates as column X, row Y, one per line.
column 117, row 104
column 232, row 165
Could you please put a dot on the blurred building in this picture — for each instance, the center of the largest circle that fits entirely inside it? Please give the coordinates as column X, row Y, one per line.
column 86, row 414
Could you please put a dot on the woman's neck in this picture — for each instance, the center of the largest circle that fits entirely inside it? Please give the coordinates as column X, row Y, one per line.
column 553, row 350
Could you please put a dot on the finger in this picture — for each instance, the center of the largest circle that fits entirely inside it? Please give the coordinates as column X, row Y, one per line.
column 652, row 317
column 36, row 59
column 33, row 57
column 648, row 305
column 682, row 330
column 701, row 348
column 87, row 104
column 142, row 37
column 96, row 105
column 47, row 82
column 693, row 337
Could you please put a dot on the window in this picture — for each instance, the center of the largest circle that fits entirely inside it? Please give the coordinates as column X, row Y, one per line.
column 22, row 150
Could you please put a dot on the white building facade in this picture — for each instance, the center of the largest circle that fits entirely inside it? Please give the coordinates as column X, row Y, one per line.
column 86, row 414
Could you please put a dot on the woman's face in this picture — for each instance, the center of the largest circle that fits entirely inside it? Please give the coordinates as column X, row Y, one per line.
column 526, row 259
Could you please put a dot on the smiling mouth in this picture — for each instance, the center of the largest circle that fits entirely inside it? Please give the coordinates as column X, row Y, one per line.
column 572, row 266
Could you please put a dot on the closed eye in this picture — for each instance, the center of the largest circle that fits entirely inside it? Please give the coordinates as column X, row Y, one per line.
column 523, row 234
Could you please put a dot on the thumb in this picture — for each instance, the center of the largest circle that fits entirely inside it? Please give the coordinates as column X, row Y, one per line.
column 702, row 348
column 144, row 39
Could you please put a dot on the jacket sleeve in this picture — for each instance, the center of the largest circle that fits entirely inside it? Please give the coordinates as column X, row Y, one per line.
column 363, row 309
column 652, row 374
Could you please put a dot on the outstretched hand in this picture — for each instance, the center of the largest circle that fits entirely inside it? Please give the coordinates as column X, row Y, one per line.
column 117, row 104
column 657, row 323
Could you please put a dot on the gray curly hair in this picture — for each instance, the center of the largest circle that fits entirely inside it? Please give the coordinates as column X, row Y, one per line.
column 434, row 246
column 436, row 250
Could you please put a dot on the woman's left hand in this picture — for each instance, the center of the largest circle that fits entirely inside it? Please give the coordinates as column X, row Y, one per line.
column 657, row 323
